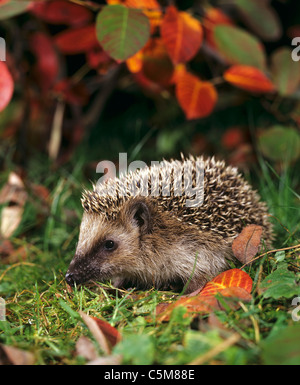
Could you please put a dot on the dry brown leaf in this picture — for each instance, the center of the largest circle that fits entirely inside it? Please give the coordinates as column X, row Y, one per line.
column 108, row 360
column 247, row 243
column 86, row 348
column 96, row 332
column 13, row 191
column 10, row 355
column 14, row 195
column 10, row 219
column 10, row 255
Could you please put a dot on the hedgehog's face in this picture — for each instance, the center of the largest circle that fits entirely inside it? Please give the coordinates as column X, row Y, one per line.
column 109, row 249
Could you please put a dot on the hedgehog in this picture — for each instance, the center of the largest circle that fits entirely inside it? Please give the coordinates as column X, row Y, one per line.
column 169, row 225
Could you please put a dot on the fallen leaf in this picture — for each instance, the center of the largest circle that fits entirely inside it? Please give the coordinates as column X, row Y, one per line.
column 229, row 278
column 111, row 333
column 247, row 243
column 14, row 195
column 96, row 331
column 232, row 285
column 86, row 348
column 8, row 254
column 232, row 295
column 114, row 359
column 10, row 355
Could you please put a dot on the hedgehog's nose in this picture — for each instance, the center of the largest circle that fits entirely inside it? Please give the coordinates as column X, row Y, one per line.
column 70, row 279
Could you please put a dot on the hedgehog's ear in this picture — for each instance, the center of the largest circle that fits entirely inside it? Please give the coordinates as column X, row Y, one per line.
column 141, row 215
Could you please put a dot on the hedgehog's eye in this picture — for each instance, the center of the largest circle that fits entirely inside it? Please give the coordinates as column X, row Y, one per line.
column 109, row 245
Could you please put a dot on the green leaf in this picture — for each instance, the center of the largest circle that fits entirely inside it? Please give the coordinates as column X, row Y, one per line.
column 136, row 349
column 122, row 31
column 286, row 73
column 280, row 143
column 239, row 47
column 283, row 348
column 13, row 8
column 280, row 283
column 279, row 256
column 261, row 18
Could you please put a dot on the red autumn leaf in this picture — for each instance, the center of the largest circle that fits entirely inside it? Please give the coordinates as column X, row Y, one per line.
column 197, row 98
column 98, row 59
column 247, row 243
column 229, row 278
column 77, row 40
column 47, row 65
column 111, row 333
column 248, row 78
column 6, row 86
column 233, row 137
column 62, row 12
column 182, row 35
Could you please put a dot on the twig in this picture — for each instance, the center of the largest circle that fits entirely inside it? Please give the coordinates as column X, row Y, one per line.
column 15, row 265
column 56, row 132
column 269, row 252
column 254, row 322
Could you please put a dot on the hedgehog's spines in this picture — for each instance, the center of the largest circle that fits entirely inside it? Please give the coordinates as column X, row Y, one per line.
column 227, row 196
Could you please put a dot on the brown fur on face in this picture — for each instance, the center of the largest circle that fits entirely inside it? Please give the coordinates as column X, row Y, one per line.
column 158, row 241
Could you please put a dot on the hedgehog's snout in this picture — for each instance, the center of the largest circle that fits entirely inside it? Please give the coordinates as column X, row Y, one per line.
column 70, row 279
column 75, row 274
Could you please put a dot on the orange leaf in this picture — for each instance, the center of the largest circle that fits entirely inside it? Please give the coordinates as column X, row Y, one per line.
column 135, row 62
column 234, row 284
column 197, row 98
column 146, row 4
column 246, row 245
column 192, row 304
column 236, row 293
column 248, row 78
column 227, row 279
column 182, row 35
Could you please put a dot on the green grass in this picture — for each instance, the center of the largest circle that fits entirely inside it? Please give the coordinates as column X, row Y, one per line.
column 42, row 314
